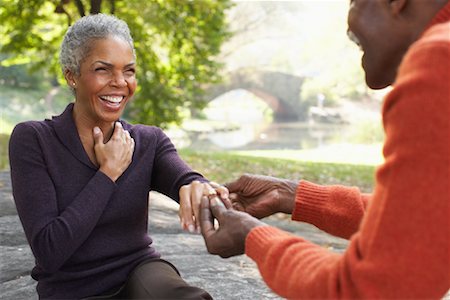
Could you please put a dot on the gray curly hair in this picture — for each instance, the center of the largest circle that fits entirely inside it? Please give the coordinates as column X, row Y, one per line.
column 78, row 38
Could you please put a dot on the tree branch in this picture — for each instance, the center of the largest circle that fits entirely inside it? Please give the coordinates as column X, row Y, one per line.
column 112, row 8
column 59, row 9
column 96, row 6
column 80, row 8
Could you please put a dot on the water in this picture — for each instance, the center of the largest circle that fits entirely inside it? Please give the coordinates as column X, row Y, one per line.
column 268, row 136
column 238, row 121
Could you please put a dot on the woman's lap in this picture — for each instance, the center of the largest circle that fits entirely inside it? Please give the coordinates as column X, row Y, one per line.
column 156, row 279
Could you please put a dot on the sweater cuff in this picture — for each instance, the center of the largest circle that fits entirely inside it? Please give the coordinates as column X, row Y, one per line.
column 259, row 239
column 310, row 198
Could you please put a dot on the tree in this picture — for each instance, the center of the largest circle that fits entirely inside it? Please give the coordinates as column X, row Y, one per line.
column 176, row 43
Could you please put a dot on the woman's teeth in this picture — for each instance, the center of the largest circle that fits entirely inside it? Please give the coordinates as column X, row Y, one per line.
column 113, row 99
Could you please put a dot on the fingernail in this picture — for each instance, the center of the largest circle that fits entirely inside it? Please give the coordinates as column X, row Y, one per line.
column 96, row 130
column 216, row 201
column 191, row 228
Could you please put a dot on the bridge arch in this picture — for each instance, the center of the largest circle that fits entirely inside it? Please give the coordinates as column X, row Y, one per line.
column 280, row 91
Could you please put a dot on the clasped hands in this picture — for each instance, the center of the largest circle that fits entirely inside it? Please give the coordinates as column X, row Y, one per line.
column 238, row 208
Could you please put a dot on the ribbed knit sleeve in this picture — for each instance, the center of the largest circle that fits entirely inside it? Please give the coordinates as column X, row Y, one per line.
column 401, row 248
column 170, row 171
column 336, row 209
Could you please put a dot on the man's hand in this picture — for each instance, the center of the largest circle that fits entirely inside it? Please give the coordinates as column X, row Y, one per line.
column 115, row 156
column 262, row 196
column 229, row 238
column 190, row 197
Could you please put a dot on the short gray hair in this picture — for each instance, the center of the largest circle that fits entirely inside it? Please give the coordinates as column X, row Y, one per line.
column 78, row 38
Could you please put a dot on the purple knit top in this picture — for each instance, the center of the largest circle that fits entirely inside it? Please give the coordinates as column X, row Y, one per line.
column 87, row 232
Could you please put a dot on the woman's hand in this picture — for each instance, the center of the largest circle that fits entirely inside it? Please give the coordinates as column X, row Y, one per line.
column 190, row 199
column 115, row 156
column 262, row 196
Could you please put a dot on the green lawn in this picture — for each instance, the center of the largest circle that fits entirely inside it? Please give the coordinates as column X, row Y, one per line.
column 223, row 167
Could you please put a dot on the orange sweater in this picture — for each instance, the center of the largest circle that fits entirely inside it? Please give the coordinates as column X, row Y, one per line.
column 399, row 236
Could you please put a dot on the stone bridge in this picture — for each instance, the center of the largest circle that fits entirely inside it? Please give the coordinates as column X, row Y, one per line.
column 280, row 91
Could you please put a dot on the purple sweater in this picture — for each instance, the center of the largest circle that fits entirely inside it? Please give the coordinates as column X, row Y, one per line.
column 87, row 232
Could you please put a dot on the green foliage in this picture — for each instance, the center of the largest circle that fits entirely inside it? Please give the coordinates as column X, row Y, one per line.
column 22, row 103
column 19, row 75
column 176, row 42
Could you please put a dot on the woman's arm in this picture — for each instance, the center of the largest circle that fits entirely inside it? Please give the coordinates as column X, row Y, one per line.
column 53, row 235
column 170, row 172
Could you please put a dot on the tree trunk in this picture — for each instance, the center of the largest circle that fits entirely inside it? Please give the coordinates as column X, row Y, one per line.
column 112, row 8
column 80, row 8
column 95, row 6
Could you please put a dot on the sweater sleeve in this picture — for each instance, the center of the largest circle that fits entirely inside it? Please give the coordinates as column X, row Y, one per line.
column 337, row 210
column 401, row 247
column 170, row 172
column 53, row 235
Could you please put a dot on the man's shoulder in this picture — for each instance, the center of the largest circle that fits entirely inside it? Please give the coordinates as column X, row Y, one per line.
column 439, row 33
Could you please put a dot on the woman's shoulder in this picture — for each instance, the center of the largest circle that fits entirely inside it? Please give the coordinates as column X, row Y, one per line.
column 28, row 127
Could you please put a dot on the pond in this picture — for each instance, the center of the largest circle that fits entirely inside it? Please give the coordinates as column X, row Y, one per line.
column 265, row 136
column 238, row 121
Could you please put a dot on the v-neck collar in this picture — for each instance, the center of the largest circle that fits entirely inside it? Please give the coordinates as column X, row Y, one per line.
column 67, row 132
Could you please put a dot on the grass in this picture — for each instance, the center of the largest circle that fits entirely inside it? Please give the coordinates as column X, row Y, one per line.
column 224, row 166
column 4, row 162
column 354, row 154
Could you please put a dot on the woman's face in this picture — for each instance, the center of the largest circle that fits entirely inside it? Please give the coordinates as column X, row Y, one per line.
column 107, row 80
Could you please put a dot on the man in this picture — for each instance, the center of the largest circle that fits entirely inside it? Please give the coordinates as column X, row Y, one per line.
column 399, row 235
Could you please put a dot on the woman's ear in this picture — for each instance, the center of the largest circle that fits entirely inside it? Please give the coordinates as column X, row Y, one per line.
column 70, row 78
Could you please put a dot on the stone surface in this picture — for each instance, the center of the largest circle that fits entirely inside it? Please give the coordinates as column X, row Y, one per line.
column 232, row 278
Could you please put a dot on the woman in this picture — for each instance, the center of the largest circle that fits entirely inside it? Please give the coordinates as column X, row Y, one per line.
column 81, row 180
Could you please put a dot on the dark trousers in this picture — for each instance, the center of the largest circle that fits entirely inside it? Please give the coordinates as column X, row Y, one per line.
column 156, row 279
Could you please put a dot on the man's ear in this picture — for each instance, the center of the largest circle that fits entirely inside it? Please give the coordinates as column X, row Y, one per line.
column 397, row 6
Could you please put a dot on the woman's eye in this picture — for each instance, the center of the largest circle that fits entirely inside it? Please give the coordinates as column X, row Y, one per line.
column 130, row 71
column 100, row 69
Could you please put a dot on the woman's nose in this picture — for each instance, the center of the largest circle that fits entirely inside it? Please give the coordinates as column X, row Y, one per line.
column 118, row 80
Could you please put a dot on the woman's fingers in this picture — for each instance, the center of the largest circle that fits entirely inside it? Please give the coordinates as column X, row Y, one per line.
column 196, row 197
column 190, row 202
column 185, row 210
column 223, row 193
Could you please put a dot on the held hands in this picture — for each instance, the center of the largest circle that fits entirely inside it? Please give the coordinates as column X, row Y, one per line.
column 262, row 196
column 114, row 156
column 190, row 197
column 229, row 238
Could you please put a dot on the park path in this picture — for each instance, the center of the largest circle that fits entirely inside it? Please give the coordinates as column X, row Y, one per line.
column 233, row 278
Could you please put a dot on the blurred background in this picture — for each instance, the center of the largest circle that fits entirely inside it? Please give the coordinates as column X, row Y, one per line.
column 254, row 78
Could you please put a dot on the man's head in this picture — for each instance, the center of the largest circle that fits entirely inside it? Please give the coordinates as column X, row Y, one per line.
column 385, row 29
